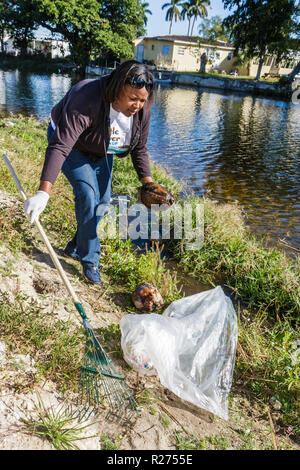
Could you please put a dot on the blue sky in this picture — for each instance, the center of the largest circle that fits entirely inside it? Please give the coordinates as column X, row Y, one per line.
column 158, row 26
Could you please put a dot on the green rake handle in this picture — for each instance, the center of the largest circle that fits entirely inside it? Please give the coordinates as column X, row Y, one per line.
column 48, row 245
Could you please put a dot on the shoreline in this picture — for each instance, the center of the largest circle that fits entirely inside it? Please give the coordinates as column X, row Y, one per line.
column 244, row 85
column 255, row 88
column 248, row 86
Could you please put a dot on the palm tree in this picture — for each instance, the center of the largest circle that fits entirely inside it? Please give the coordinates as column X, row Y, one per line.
column 198, row 8
column 173, row 12
column 146, row 11
column 187, row 11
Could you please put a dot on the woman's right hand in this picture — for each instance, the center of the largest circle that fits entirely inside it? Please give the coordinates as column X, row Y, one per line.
column 35, row 205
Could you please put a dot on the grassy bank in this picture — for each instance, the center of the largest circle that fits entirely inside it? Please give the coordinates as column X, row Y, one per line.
column 265, row 283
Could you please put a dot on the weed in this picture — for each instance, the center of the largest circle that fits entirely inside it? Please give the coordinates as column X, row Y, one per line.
column 107, row 443
column 57, row 426
column 146, row 398
column 184, row 442
column 165, row 420
column 218, row 442
column 153, row 410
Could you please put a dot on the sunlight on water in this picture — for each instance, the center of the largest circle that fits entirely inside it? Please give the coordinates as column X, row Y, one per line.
column 233, row 148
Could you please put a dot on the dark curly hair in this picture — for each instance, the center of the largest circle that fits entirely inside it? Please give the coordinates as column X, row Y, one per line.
column 124, row 71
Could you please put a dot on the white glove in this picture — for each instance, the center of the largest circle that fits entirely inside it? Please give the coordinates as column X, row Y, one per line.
column 35, row 205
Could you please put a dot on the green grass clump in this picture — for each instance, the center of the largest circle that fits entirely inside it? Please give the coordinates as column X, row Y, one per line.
column 56, row 425
column 125, row 180
column 268, row 364
column 264, row 278
column 107, row 443
column 127, row 267
column 55, row 345
column 184, row 442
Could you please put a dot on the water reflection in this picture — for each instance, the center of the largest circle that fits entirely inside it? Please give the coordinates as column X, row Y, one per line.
column 31, row 93
column 232, row 147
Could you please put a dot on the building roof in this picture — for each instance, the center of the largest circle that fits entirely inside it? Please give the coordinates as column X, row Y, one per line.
column 194, row 40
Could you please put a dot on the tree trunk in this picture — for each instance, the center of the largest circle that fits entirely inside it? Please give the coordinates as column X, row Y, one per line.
column 188, row 33
column 260, row 64
column 193, row 26
column 203, row 62
column 170, row 27
column 294, row 72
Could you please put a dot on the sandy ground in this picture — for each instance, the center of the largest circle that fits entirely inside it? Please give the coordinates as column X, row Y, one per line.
column 155, row 425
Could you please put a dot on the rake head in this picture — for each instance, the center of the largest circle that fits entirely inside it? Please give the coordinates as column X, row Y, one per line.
column 100, row 383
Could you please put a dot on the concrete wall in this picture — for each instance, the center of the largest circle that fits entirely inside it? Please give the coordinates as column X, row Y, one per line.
column 247, row 86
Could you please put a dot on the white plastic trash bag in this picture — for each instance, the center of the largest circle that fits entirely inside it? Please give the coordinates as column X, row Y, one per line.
column 191, row 347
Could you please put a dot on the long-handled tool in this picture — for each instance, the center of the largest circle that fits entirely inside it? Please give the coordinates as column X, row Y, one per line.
column 100, row 380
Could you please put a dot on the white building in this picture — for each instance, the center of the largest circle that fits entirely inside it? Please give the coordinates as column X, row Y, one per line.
column 54, row 48
column 8, row 45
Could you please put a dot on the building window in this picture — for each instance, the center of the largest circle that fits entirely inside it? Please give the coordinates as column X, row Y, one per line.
column 180, row 50
column 152, row 47
column 210, row 53
column 229, row 57
column 165, row 50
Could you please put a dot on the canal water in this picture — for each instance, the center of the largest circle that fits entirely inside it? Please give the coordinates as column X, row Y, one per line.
column 228, row 146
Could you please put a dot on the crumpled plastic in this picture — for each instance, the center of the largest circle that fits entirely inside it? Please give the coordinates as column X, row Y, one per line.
column 191, row 347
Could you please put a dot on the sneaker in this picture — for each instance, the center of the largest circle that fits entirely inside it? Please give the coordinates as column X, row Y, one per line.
column 70, row 252
column 92, row 274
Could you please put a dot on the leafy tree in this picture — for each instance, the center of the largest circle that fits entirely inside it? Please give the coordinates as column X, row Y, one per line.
column 173, row 12
column 93, row 27
column 23, row 22
column 213, row 29
column 293, row 42
column 260, row 27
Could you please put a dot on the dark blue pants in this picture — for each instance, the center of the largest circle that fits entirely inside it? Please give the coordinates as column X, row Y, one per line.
column 91, row 183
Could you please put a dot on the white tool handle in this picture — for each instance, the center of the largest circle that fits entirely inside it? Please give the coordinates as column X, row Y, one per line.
column 44, row 237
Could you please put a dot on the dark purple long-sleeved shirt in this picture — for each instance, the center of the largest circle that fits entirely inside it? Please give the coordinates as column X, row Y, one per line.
column 82, row 121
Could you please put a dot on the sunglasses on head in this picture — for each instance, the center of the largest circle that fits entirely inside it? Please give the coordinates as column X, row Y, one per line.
column 137, row 82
